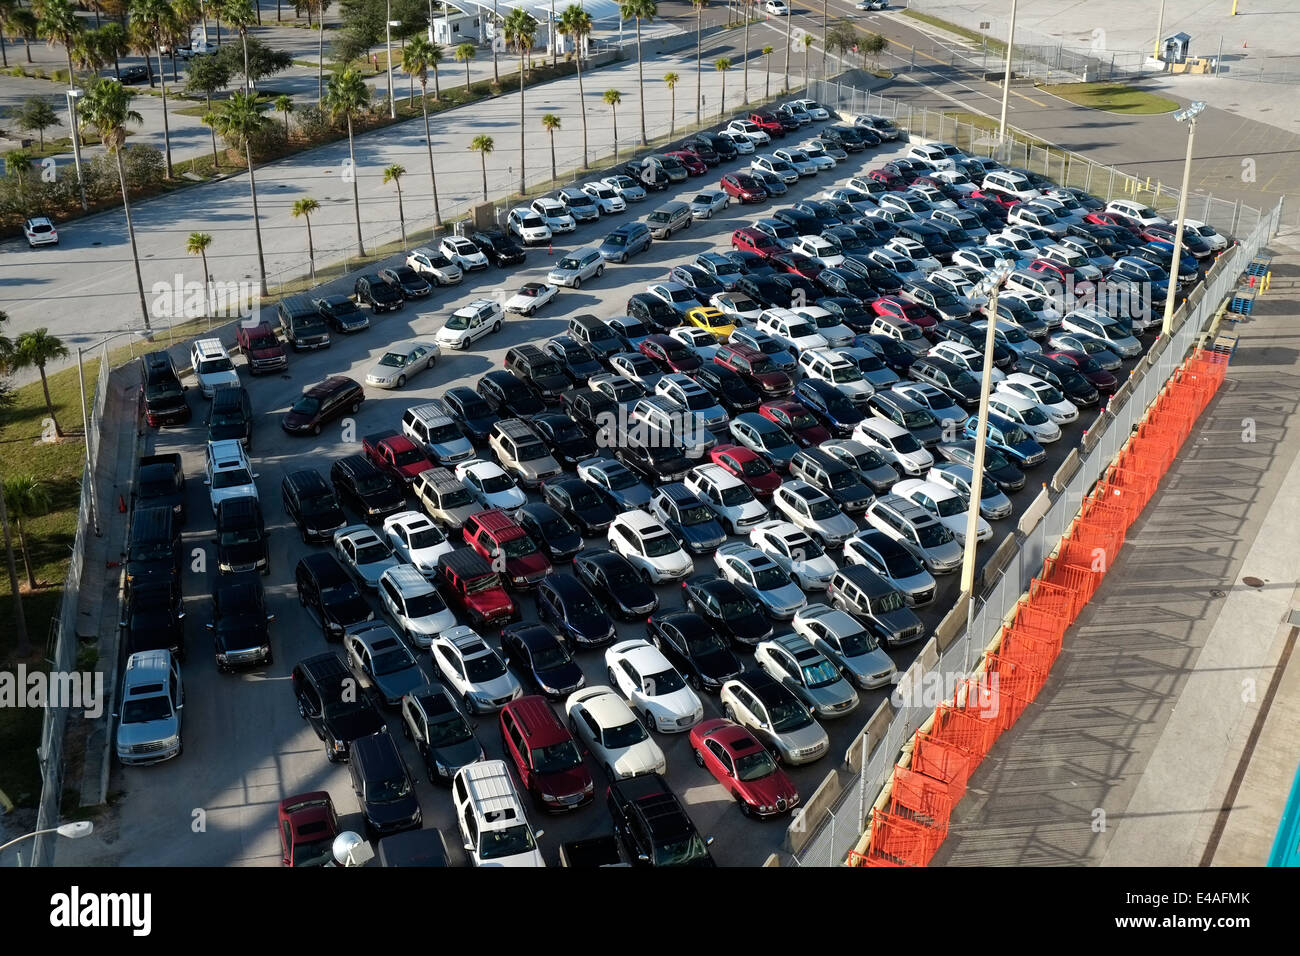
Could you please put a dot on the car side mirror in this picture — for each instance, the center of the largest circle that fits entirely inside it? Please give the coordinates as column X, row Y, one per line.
column 256, row 475
column 539, row 834
column 270, row 618
column 469, row 847
column 180, row 707
column 210, row 627
column 708, row 841
column 180, row 615
column 643, row 857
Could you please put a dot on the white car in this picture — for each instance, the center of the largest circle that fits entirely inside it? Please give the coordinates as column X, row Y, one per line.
column 528, row 226
column 743, row 142
column 813, row 511
column 835, row 369
column 913, row 250
column 470, row 323
column 847, row 644
column 737, row 306
column 818, row 156
column 707, row 202
column 795, row 553
column 704, row 344
column 1217, row 241
column 777, row 8
column 531, row 297
column 616, row 739
column 402, row 362
column 1012, row 336
column 767, row 163
column 1040, row 306
column 946, row 504
column 798, row 159
column 1028, row 414
column 1058, row 408
column 472, row 669
column 649, row 547
column 363, row 553
column 822, row 251
column 965, row 357
column 895, row 443
column 435, row 266
column 574, row 268
column 813, row 109
column 791, row 329
column 227, row 472
column 726, row 496
column 652, row 687
column 212, row 366
column 608, row 200
column 626, row 187
column 802, row 669
column 555, row 214
column 39, row 231
column 1144, row 215
column 994, row 505
column 414, row 605
column 464, row 253
column 751, row 131
column 835, row 332
column 493, row 827
column 489, row 485
column 417, row 540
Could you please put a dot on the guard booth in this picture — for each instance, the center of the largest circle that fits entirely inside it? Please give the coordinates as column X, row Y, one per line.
column 1176, row 49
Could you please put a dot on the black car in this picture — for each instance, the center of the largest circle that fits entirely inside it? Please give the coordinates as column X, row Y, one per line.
column 704, row 285
column 615, row 582
column 803, row 291
column 241, row 536
column 1068, row 379
column 407, row 281
column 507, row 396
column 470, row 412
column 164, row 395
column 361, row 486
column 768, row 291
column 848, row 310
column 998, row 468
column 541, row 657
column 160, row 482
column 726, row 609
column 329, row 594
column 564, row 438
column 890, row 351
column 576, row 360
column 751, row 263
column 378, row 294
column 829, row 406
column 383, row 785
column 688, row 518
column 133, row 74
column 820, row 210
column 732, row 392
column 694, row 647
column 239, row 623
column 724, row 147
column 569, row 607
column 309, row 500
column 327, row 699
column 592, row 410
column 499, row 248
column 953, row 380
column 652, row 826
column 153, row 619
column 441, row 733
column 884, row 280
column 578, row 501
column 550, row 530
column 653, row 312
column 801, row 221
column 654, row 461
column 342, row 314
column 230, row 416
column 845, row 282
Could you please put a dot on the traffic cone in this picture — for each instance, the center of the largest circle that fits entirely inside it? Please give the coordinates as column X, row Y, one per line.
column 550, row 248
column 1243, row 44
column 121, row 505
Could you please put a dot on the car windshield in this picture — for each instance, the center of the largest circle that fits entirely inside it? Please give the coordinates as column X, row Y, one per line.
column 485, row 668
column 249, row 535
column 570, row 264
column 802, row 420
column 763, row 366
column 704, row 642
column 660, row 545
column 208, row 366
column 616, row 239
column 906, row 443
column 948, row 507
column 787, row 716
column 696, row 514
column 737, row 608
column 665, row 682
column 458, row 322
column 456, row 498
column 932, row 536
column 410, row 456
column 307, row 405
column 386, row 791
column 843, row 479
column 141, row 710
column 698, row 401
column 372, row 484
column 531, row 451
column 520, row 547
column 736, row 495
column 231, row 479
column 549, row 656
column 510, row 841
column 755, row 467
column 769, row 579
column 621, row 479
column 855, row 645
column 821, row 674
column 495, row 484
column 488, row 582
column 822, row 508
column 917, row 419
column 1033, row 415
column 624, row 735
column 556, row 758
column 425, row 605
column 390, row 662
column 847, row 373
column 371, row 552
column 449, row 729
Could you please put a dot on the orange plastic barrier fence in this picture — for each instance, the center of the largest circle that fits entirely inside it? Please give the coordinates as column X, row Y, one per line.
column 1023, row 648
column 921, row 798
column 1015, row 687
column 964, row 729
column 943, row 761
column 899, row 841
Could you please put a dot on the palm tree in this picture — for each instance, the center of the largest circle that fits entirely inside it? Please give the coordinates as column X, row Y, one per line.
column 464, row 53
column 418, row 56
column 807, row 41
column 767, row 69
column 25, row 497
column 284, row 104
column 576, row 22
column 59, row 23
column 346, row 95
column 7, row 8
column 483, row 145
column 496, row 27
column 197, row 245
column 671, row 80
column 699, row 6
column 86, row 52
column 239, row 121
column 303, row 208
column 34, row 350
column 106, row 107
column 550, row 123
column 613, row 98
column 639, row 10
column 521, row 30
column 18, row 163
column 393, row 174
column 722, row 64
column 240, row 14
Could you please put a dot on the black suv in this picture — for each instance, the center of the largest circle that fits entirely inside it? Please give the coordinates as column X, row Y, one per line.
column 499, row 248
column 153, row 620
column 383, row 786
column 694, row 647
column 470, row 412
column 378, row 294
column 231, row 416
column 564, row 438
column 550, row 530
column 726, row 608
column 732, row 392
column 535, row 368
column 953, row 380
column 593, row 411
column 155, row 544
column 688, row 518
column 239, row 618
column 325, row 691
column 241, row 537
column 507, row 396
column 328, row 593
column 652, row 825
column 653, row 312
column 578, row 501
column 302, row 323
column 576, row 360
column 164, row 395
column 365, row 489
column 309, row 500
column 342, row 314
column 650, row 458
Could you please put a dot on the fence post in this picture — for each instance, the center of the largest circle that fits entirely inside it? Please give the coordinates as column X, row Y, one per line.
column 1236, row 217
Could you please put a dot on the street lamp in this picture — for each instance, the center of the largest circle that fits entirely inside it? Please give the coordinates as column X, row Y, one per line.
column 1006, row 77
column 72, row 96
column 1188, row 113
column 388, row 43
column 73, row 831
column 989, row 287
column 1160, row 28
column 350, row 849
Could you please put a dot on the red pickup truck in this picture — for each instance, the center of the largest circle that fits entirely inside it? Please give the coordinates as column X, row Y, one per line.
column 262, row 350
column 395, row 454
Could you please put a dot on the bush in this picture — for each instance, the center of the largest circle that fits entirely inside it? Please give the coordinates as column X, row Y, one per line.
column 313, row 123
column 144, row 165
column 270, row 141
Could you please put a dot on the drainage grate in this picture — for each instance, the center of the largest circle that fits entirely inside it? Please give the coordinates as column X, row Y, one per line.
column 1294, row 617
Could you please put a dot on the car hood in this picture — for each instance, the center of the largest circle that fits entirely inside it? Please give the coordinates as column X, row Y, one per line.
column 564, row 783
column 396, row 685
column 148, row 731
column 455, row 756
column 563, row 678
column 370, row 573
column 391, row 812
column 832, row 695
column 719, row 665
column 822, row 567
column 644, row 757
column 349, row 610
column 354, row 723
column 433, row 624
column 490, row 602
column 633, row 497
column 785, row 598
column 840, row 524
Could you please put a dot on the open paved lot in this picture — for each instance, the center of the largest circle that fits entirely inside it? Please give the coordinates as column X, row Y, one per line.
column 246, row 746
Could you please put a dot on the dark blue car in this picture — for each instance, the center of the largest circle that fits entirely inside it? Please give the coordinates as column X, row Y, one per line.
column 565, row 603
column 1008, row 437
column 542, row 658
column 831, row 406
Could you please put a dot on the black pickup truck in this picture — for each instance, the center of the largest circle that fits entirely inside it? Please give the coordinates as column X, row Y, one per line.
column 160, row 481
column 588, row 854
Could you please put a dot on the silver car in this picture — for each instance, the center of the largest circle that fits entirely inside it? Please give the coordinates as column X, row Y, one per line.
column 775, row 716
column 706, row 203
column 401, row 362
column 382, row 662
column 848, row 645
column 808, row 674
column 577, row 267
column 893, row 562
column 993, row 503
column 149, row 722
column 760, row 578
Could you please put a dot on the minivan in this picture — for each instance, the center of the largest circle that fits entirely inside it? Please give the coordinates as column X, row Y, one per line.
column 669, row 218
column 322, row 403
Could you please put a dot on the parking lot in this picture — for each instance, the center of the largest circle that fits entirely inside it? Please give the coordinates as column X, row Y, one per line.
column 246, row 747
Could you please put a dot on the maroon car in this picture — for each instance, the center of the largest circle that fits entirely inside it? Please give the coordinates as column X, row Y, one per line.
column 749, row 239
column 758, row 370
column 744, row 768
column 749, row 466
column 1098, row 377
column 669, row 354
column 501, row 540
column 395, row 454
column 694, row 165
column 744, row 187
column 922, row 316
column 796, row 263
column 308, row 826
column 795, row 418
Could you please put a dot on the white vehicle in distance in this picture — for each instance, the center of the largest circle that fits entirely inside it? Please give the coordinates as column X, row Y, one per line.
column 227, row 472
column 847, row 644
column 795, row 553
column 798, row 159
column 470, row 323
column 434, row 266
column 1026, row 413
column 965, row 357
column 791, row 329
column 415, row 539
column 607, row 198
column 756, row 135
column 580, row 205
column 464, row 253
column 531, row 297
column 726, row 496
column 489, row 485
column 896, row 445
column 1217, row 241
column 946, row 504
column 528, row 226
column 704, row 344
column 737, row 306
column 768, row 163
column 555, row 214
column 615, row 737
column 576, row 267
column 649, row 547
column 493, row 827
column 627, row 188
column 742, row 141
column 414, row 605
column 813, row 109
column 821, row 250
column 652, row 687
column 777, row 8
column 822, row 161
column 706, row 203
column 39, row 231
column 1058, row 408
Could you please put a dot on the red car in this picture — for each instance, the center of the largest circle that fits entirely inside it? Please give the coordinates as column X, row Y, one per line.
column 891, row 181
column 669, row 354
column 758, row 370
column 749, row 239
column 1002, row 199
column 796, row 263
column 395, row 454
column 308, row 826
column 923, row 317
column 694, row 165
column 744, row 768
column 499, row 538
column 1097, row 377
column 545, row 755
column 743, row 187
column 768, row 123
column 1062, row 274
column 749, row 466
column 472, row 587
column 795, row 418
column 1114, row 219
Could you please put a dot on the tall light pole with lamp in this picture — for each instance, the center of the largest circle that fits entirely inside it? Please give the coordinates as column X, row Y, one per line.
column 73, row 95
column 1006, row 77
column 388, row 45
column 73, row 831
column 1188, row 113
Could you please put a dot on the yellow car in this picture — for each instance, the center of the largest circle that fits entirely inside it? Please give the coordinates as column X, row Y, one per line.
column 713, row 321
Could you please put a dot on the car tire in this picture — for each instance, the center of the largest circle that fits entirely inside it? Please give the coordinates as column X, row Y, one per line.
column 623, row 258
column 745, row 809
column 406, row 732
column 651, row 725
column 315, row 429
column 401, row 381
column 433, row 777
column 577, row 282
column 645, row 576
column 496, row 326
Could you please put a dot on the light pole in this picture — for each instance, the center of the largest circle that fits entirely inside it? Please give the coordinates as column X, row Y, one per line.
column 1160, row 28
column 388, row 44
column 1006, row 77
column 73, row 95
column 1188, row 113
column 73, row 831
column 989, row 286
